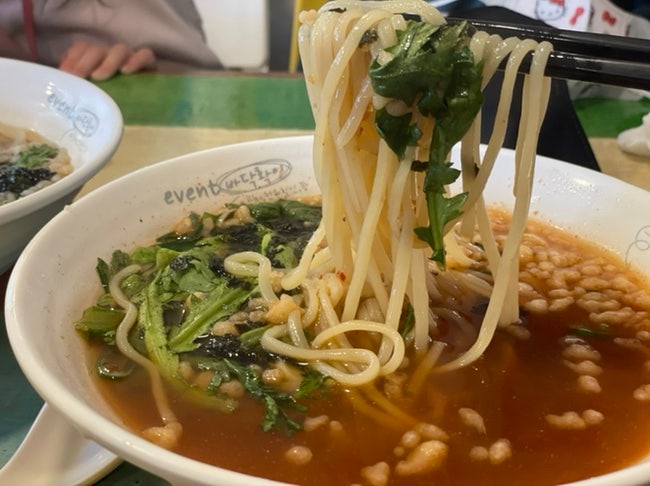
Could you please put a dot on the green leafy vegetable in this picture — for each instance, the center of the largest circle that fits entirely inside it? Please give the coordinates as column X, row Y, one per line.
column 36, row 155
column 398, row 131
column 24, row 170
column 183, row 290
column 286, row 208
column 598, row 331
column 433, row 71
column 408, row 321
column 221, row 302
column 113, row 365
column 274, row 401
column 150, row 320
column 292, row 225
column 312, row 381
column 186, row 240
column 100, row 322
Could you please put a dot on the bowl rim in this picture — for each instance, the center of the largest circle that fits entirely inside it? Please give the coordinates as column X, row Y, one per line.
column 80, row 175
column 137, row 449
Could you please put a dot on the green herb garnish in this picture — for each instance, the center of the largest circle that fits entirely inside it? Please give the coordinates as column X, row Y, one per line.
column 433, row 71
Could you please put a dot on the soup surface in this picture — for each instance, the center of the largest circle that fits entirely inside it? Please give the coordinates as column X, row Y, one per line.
column 561, row 396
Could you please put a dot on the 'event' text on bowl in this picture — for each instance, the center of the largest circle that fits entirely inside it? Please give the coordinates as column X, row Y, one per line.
column 252, row 177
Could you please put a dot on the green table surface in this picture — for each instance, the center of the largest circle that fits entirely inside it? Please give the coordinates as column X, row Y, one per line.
column 280, row 101
column 236, row 101
column 606, row 118
column 228, row 101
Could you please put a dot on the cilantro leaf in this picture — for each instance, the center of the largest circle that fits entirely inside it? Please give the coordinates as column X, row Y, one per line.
column 274, row 401
column 433, row 71
column 397, row 131
column 36, row 155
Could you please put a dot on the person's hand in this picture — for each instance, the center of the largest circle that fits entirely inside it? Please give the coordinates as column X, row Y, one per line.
column 102, row 62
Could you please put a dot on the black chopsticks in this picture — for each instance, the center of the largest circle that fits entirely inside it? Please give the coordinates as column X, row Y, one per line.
column 582, row 56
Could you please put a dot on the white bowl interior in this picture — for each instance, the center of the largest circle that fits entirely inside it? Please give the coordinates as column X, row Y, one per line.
column 69, row 111
column 57, row 268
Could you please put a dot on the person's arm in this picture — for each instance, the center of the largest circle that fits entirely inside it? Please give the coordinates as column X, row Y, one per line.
column 100, row 62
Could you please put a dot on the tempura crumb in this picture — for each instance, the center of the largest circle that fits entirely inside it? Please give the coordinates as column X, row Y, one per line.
column 574, row 421
column 592, row 417
column 312, row 423
column 283, row 376
column 183, row 226
column 336, row 428
column 298, row 455
column 589, row 384
column 202, row 379
column 478, row 453
column 377, row 474
column 642, row 393
column 279, row 311
column 224, row 327
column 631, row 343
column 518, row 332
column 643, row 335
column 394, row 385
column 186, row 370
column 580, row 352
column 410, row 439
column 586, row 367
column 537, row 306
column 233, row 389
column 426, row 457
column 500, row 451
column 166, row 436
column 473, row 419
column 557, row 305
column 431, row 431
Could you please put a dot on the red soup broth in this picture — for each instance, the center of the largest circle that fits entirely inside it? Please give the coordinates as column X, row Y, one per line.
column 528, row 389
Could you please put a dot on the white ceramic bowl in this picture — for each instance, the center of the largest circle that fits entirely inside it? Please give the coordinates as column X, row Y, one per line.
column 69, row 111
column 144, row 204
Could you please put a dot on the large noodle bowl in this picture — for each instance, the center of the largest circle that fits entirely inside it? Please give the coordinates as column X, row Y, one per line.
column 561, row 375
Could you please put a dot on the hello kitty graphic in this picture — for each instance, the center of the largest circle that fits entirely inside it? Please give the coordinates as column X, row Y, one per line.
column 549, row 10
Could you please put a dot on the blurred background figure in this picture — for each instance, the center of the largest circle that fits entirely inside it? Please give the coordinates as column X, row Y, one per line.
column 100, row 38
column 616, row 17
